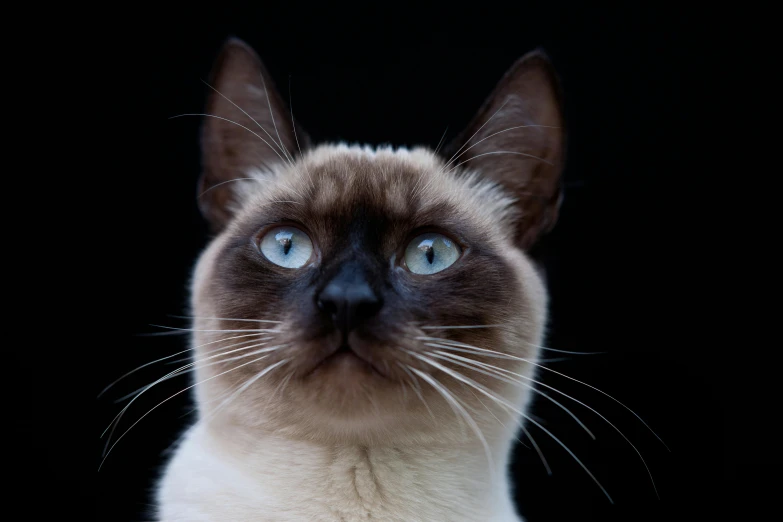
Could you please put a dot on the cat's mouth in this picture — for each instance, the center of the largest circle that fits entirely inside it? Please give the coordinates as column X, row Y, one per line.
column 348, row 359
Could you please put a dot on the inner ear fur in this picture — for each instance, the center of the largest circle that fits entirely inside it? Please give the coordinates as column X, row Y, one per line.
column 249, row 126
column 517, row 139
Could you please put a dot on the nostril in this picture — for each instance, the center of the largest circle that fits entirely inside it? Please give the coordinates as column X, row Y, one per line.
column 367, row 308
column 327, row 306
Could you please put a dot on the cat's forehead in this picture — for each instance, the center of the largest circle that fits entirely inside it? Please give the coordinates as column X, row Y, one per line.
column 413, row 184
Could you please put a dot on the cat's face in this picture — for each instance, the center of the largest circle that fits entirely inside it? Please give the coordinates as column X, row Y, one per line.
column 356, row 286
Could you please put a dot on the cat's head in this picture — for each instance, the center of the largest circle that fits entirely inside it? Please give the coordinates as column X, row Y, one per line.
column 346, row 284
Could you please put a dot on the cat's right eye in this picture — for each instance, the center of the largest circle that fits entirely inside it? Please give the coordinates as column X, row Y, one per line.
column 430, row 253
column 285, row 246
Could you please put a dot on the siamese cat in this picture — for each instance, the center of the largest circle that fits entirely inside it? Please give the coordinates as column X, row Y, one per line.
column 366, row 321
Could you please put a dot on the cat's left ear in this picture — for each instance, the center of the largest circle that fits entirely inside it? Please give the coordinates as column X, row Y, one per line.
column 518, row 140
column 248, row 127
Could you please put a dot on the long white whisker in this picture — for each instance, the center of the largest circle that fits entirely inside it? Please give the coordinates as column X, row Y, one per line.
column 243, row 388
column 242, row 330
column 196, row 364
column 235, row 123
column 501, row 132
column 451, row 357
column 226, row 318
column 293, row 127
column 471, row 137
column 441, row 140
column 538, row 450
column 452, row 401
column 499, row 152
column 262, row 350
column 461, row 327
column 457, row 343
column 166, row 400
column 169, row 357
column 568, row 396
column 493, row 353
column 492, row 396
column 522, row 426
column 243, row 111
column 417, row 389
column 280, row 387
column 118, row 417
column 272, row 114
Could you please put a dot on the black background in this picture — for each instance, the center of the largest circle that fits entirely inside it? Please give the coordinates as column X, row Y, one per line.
column 622, row 263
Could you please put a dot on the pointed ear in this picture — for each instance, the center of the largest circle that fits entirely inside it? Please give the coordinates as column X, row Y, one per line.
column 518, row 140
column 248, row 127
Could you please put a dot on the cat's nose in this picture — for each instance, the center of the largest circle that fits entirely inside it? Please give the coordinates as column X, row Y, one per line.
column 348, row 299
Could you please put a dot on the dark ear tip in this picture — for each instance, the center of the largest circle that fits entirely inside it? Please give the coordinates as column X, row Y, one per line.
column 233, row 42
column 234, row 51
column 233, row 48
column 536, row 57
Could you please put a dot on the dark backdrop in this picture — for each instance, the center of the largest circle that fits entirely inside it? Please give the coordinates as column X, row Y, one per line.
column 621, row 262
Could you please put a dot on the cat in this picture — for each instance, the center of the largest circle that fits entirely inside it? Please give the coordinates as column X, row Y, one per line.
column 366, row 321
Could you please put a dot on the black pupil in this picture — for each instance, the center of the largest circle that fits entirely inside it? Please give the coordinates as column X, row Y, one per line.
column 430, row 253
column 286, row 242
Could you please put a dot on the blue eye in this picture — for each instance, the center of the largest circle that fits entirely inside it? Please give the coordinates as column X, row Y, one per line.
column 430, row 253
column 288, row 247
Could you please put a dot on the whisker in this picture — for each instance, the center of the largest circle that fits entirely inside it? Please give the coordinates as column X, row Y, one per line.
column 417, row 389
column 501, row 132
column 568, row 396
column 291, row 107
column 263, row 350
column 158, row 334
column 456, row 343
column 499, row 152
column 166, row 400
column 492, row 396
column 455, row 404
column 195, row 365
column 169, row 357
column 461, row 327
column 441, row 140
column 243, row 388
column 572, row 353
column 280, row 387
column 235, row 123
column 494, row 353
column 272, row 115
column 496, row 417
column 118, row 417
column 452, row 358
column 538, row 450
column 286, row 201
column 225, row 318
column 527, row 434
column 216, row 185
column 244, row 330
column 522, row 426
column 243, row 111
column 471, row 137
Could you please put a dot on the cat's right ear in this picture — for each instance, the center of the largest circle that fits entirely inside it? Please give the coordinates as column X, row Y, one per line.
column 517, row 139
column 247, row 127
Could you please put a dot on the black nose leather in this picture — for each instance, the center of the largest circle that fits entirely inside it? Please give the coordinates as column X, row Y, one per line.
column 348, row 299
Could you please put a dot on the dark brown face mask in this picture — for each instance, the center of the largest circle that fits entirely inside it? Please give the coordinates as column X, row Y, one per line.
column 359, row 296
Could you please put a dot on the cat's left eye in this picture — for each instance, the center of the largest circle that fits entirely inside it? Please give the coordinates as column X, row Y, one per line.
column 288, row 247
column 430, row 253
